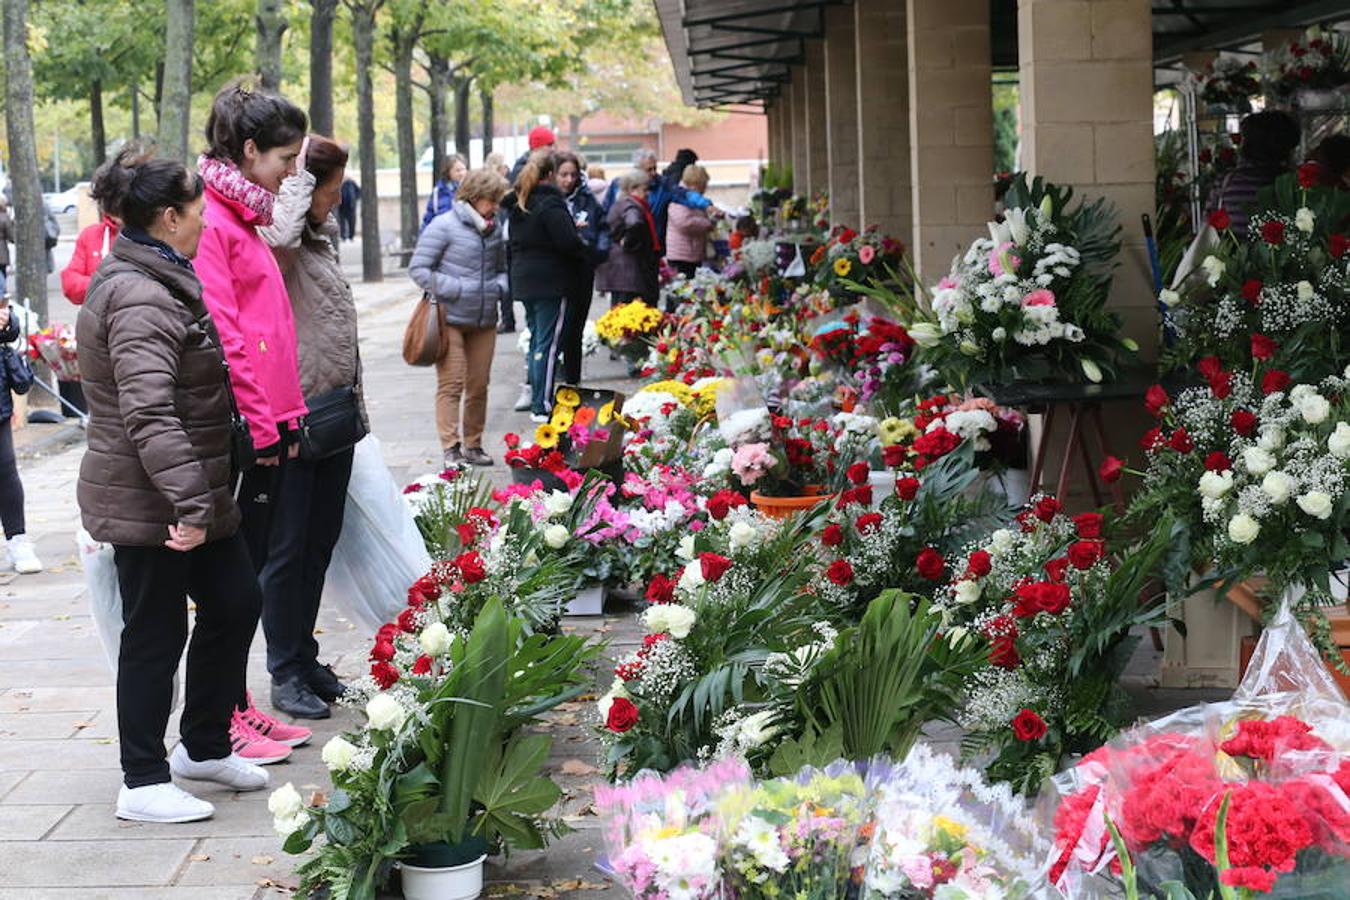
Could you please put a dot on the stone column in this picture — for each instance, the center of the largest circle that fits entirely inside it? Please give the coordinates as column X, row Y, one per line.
column 884, row 176
column 817, row 156
column 801, row 140
column 786, row 129
column 1087, row 121
column 841, row 116
column 772, row 114
column 951, row 128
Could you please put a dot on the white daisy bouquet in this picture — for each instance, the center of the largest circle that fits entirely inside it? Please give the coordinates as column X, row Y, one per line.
column 1028, row 302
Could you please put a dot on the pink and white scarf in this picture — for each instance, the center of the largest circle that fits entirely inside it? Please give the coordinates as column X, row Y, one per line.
column 225, row 179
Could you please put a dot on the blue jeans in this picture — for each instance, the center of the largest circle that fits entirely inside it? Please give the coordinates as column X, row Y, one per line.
column 543, row 316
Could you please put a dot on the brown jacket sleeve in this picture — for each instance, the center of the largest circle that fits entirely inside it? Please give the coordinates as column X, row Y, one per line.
column 145, row 338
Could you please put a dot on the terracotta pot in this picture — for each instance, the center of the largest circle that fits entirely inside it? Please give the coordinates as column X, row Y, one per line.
column 783, row 507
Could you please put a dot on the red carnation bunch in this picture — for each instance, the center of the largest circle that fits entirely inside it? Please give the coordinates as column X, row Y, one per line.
column 1266, row 740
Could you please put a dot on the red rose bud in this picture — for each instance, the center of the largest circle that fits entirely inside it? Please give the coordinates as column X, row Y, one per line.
column 858, row 472
column 1047, row 508
column 1337, row 245
column 1041, row 596
column 468, row 533
column 1003, row 653
column 661, row 590
column 1111, row 469
column 385, row 675
column 1209, row 367
column 1089, row 524
column 407, row 620
column 832, row 536
column 930, row 564
column 1274, row 380
column 1251, row 290
column 1056, row 568
column 1262, row 347
column 893, row 456
column 868, row 523
column 387, row 633
column 1180, row 441
column 840, row 572
column 907, row 488
column 1085, row 554
column 1156, row 400
column 1273, row 233
column 470, row 566
column 422, row 665
column 1221, row 385
column 1244, row 422
column 1220, row 220
column 718, row 507
column 713, row 566
column 622, row 716
column 383, row 651
column 1217, row 462
column 980, row 563
column 1027, row 726
column 1309, row 174
column 511, row 440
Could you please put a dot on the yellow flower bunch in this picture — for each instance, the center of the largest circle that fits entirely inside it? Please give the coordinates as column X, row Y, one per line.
column 677, row 389
column 546, row 435
column 568, row 397
column 562, row 417
column 842, row 267
column 623, row 322
column 896, row 431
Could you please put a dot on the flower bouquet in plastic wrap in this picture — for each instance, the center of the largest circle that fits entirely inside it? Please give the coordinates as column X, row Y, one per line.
column 55, row 345
column 661, row 831
column 939, row 830
column 1231, row 800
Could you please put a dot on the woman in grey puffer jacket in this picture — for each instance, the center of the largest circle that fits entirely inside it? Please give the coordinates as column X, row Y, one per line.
column 461, row 261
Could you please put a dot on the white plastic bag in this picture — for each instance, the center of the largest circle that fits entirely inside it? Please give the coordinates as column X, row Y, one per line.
column 105, row 598
column 380, row 552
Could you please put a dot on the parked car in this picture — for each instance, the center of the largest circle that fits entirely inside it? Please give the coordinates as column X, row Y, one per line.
column 67, row 201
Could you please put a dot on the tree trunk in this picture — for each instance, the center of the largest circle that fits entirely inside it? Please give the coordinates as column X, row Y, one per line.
column 136, row 111
column 159, row 92
column 489, row 118
column 176, row 104
column 463, row 93
column 438, row 77
column 272, row 24
column 404, row 41
column 574, row 132
column 363, row 37
column 321, row 66
column 97, row 135
column 29, row 272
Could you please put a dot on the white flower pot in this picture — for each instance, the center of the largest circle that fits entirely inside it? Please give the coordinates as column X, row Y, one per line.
column 882, row 484
column 589, row 601
column 453, row 883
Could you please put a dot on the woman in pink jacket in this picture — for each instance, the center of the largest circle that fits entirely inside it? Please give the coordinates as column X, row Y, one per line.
column 253, row 141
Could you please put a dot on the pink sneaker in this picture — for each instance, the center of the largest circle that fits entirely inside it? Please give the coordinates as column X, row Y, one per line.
column 273, row 728
column 252, row 747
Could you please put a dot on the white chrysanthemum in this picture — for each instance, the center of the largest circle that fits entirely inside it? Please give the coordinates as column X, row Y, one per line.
column 1314, row 408
column 285, row 802
column 760, row 839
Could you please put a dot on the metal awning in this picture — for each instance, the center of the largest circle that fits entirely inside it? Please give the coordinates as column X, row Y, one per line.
column 738, row 52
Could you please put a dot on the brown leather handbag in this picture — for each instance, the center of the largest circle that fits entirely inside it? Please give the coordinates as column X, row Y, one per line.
column 424, row 338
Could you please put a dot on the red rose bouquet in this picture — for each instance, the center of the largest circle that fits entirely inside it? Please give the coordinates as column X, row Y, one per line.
column 1055, row 607
column 1319, row 60
column 1232, row 799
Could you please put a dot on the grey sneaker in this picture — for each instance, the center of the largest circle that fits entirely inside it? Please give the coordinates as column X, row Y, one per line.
column 453, row 457
column 525, row 400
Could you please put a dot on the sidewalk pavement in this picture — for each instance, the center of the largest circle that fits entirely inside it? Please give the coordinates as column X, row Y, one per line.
column 59, row 771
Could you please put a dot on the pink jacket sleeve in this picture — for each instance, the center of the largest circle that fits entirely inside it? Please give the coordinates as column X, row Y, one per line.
column 213, row 268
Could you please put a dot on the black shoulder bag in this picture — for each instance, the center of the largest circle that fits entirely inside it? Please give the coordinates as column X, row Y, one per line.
column 243, row 455
column 333, row 424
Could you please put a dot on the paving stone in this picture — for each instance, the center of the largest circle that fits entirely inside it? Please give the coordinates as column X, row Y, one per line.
column 59, row 699
column 37, row 725
column 96, row 786
column 28, row 823
column 239, row 861
column 89, row 864
column 58, row 755
column 235, row 892
column 95, row 822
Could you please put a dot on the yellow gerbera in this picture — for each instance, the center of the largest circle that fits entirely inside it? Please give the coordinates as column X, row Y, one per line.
column 562, row 417
column 546, row 436
column 842, row 267
column 568, row 397
column 607, row 413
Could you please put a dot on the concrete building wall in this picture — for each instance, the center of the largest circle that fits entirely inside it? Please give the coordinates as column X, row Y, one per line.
column 840, row 60
column 884, row 176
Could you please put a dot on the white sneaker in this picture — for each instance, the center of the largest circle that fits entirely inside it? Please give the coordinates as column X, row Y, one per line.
column 230, row 771
column 22, row 556
column 525, row 400
column 538, row 418
column 165, row 802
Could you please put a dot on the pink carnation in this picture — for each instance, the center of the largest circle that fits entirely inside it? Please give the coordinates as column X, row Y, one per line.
column 750, row 462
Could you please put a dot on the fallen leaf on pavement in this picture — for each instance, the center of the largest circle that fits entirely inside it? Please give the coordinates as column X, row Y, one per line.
column 262, row 860
column 577, row 767
column 199, row 857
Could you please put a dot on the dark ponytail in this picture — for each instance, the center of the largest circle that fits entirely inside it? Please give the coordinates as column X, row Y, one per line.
column 137, row 186
column 542, row 164
column 240, row 113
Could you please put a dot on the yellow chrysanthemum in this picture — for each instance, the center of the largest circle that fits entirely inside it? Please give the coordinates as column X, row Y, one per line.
column 842, row 267
column 568, row 397
column 896, row 431
column 546, row 436
column 950, row 826
column 562, row 417
column 607, row 413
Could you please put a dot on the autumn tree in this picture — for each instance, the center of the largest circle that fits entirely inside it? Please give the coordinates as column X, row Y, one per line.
column 271, row 22
column 176, row 103
column 363, row 14
column 30, row 269
column 322, row 14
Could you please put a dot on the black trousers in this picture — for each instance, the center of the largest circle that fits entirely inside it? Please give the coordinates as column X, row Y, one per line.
column 576, row 309
column 306, row 523
column 258, row 496
column 155, row 584
column 11, row 488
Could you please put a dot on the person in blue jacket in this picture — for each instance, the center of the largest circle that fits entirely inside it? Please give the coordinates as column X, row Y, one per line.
column 665, row 187
column 443, row 194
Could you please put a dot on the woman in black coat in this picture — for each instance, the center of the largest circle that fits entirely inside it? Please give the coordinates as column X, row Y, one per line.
column 546, row 253
column 590, row 219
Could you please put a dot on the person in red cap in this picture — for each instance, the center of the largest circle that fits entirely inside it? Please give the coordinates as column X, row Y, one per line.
column 541, row 137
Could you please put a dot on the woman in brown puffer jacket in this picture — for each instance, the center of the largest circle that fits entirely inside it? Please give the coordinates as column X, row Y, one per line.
column 156, row 484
